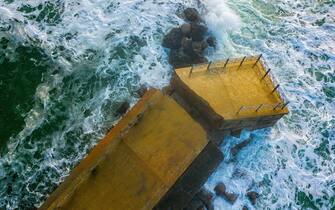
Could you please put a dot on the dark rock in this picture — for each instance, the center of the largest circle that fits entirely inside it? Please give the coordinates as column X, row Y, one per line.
column 191, row 14
column 123, row 108
column 206, row 197
column 220, row 189
column 199, row 47
column 211, row 41
column 252, row 195
column 240, row 146
column 198, row 32
column 186, row 44
column 230, row 197
column 245, row 208
column 186, row 29
column 179, row 58
column 173, row 39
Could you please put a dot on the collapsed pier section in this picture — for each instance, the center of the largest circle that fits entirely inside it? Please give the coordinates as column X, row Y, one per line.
column 232, row 94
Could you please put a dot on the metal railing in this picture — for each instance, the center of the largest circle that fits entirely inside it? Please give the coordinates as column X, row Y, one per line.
column 257, row 108
column 267, row 78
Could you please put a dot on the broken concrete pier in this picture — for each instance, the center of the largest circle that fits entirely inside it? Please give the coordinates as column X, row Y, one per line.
column 165, row 147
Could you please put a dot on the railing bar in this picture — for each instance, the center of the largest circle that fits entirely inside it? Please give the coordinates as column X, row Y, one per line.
column 267, row 72
column 260, row 106
column 241, row 62
column 209, row 64
column 277, row 86
column 285, row 105
column 239, row 110
column 190, row 71
column 277, row 106
column 226, row 63
column 257, row 60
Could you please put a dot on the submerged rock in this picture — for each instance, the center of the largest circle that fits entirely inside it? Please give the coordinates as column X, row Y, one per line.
column 252, row 195
column 244, row 208
column 240, row 146
column 173, row 39
column 191, row 14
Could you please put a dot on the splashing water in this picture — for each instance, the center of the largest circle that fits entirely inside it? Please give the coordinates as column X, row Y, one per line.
column 292, row 165
column 67, row 65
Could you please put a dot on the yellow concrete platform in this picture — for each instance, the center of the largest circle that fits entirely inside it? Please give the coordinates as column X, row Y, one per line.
column 137, row 162
column 234, row 91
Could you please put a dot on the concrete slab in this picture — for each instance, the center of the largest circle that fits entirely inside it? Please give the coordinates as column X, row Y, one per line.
column 227, row 88
column 138, row 161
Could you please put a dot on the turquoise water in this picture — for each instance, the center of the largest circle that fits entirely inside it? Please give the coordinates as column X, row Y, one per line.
column 67, row 65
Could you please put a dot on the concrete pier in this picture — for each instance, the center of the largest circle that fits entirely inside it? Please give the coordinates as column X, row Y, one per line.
column 165, row 147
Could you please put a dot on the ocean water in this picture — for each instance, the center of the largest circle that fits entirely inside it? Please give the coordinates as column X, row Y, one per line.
column 67, row 65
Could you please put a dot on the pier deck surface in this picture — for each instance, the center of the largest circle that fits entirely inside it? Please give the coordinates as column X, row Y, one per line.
column 227, row 89
column 137, row 162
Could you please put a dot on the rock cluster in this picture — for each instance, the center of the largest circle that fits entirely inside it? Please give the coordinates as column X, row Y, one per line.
column 220, row 190
column 203, row 200
column 189, row 41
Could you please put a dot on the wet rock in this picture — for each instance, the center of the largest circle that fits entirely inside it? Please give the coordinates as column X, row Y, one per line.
column 123, row 108
column 244, row 208
column 220, row 189
column 186, row 29
column 199, row 47
column 173, row 39
column 207, row 198
column 178, row 58
column 191, row 14
column 240, row 146
column 230, row 197
column 252, row 195
column 198, row 32
column 211, row 41
column 186, row 44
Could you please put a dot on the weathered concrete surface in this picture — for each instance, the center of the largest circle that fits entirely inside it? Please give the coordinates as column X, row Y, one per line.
column 139, row 160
